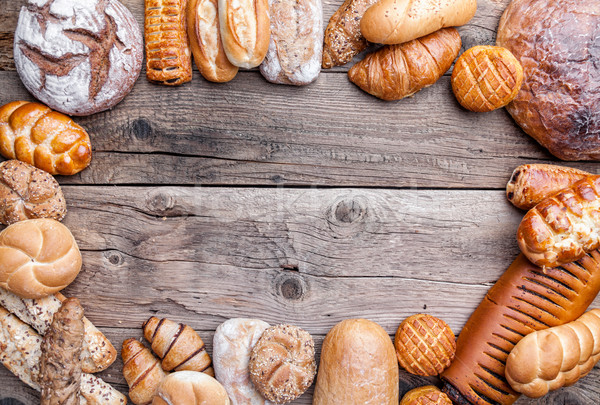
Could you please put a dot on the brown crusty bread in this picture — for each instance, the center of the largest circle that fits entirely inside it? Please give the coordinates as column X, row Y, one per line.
column 427, row 395
column 524, row 299
column 397, row 71
column 532, row 183
column 552, row 358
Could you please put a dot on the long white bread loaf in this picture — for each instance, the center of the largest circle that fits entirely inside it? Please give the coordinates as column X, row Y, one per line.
column 97, row 354
column 21, row 352
column 557, row 357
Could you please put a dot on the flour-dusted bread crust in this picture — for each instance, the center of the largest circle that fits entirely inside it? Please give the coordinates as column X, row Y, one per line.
column 78, row 57
column 232, row 345
column 296, row 46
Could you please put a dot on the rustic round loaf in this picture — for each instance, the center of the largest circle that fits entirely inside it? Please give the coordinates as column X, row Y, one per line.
column 78, row 57
column 558, row 45
column 425, row 345
column 38, row 257
column 28, row 193
column 427, row 395
column 282, row 363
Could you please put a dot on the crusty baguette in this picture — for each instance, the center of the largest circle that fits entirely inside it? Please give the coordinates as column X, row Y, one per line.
column 562, row 228
column 205, row 41
column 398, row 21
column 532, row 183
column 549, row 359
column 22, row 349
column 524, row 299
column 97, row 354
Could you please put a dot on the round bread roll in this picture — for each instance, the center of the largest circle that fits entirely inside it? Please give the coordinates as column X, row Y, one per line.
column 28, row 193
column 557, row 45
column 427, row 395
column 425, row 345
column 282, row 363
column 38, row 257
column 78, row 57
column 190, row 388
column 358, row 366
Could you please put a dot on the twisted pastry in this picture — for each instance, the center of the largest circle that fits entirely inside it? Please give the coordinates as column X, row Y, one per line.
column 141, row 371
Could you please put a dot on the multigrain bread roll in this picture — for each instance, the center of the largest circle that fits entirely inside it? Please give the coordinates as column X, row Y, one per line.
column 245, row 31
column 232, row 345
column 524, row 299
column 142, row 371
column 46, row 139
column 38, row 257
column 532, row 183
column 398, row 71
column 562, row 228
column 190, row 388
column 21, row 352
column 358, row 366
column 168, row 58
column 205, row 41
column 295, row 48
column 398, row 21
column 27, row 193
column 60, row 364
column 549, row 359
column 343, row 39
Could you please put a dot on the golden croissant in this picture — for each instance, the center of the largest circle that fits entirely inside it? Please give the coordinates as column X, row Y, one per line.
column 141, row 370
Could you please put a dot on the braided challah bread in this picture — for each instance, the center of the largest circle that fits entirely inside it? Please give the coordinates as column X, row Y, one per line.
column 38, row 257
column 557, row 357
column 28, row 193
column 49, row 140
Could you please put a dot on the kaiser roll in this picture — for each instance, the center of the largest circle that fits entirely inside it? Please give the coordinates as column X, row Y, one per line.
column 190, row 388
column 38, row 257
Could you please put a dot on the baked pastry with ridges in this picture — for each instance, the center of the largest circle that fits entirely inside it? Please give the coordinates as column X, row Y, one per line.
column 343, row 39
column 38, row 257
column 425, row 345
column 427, row 395
column 168, row 59
column 282, row 363
column 60, row 364
column 190, row 388
column 524, row 299
column 142, row 371
column 397, row 71
column 46, row 139
column 532, row 183
column 28, row 193
column 179, row 346
column 232, row 345
column 559, row 102
column 295, row 49
column 78, row 57
column 22, row 349
column 485, row 78
column 558, row 357
column 561, row 228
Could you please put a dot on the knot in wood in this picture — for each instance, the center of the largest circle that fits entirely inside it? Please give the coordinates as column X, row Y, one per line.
column 141, row 128
column 291, row 287
column 160, row 203
column 347, row 215
column 349, row 210
column 114, row 258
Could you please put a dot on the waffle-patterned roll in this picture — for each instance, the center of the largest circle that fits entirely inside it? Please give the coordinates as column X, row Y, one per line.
column 168, row 59
column 525, row 299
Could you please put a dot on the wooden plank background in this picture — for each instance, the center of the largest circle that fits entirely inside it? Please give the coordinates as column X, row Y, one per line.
column 302, row 205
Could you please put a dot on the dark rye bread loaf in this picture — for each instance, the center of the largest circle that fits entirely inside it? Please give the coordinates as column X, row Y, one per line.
column 78, row 57
column 525, row 299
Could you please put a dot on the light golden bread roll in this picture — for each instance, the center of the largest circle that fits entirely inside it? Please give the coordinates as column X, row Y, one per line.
column 425, row 345
column 142, row 371
column 282, row 363
column 486, row 78
column 358, row 366
column 563, row 227
column 427, row 395
column 46, row 139
column 549, row 359
column 178, row 346
column 532, row 183
column 168, row 58
column 245, row 31
column 205, row 41
column 38, row 257
column 190, row 388
column 398, row 21
column 397, row 71
column 27, row 193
